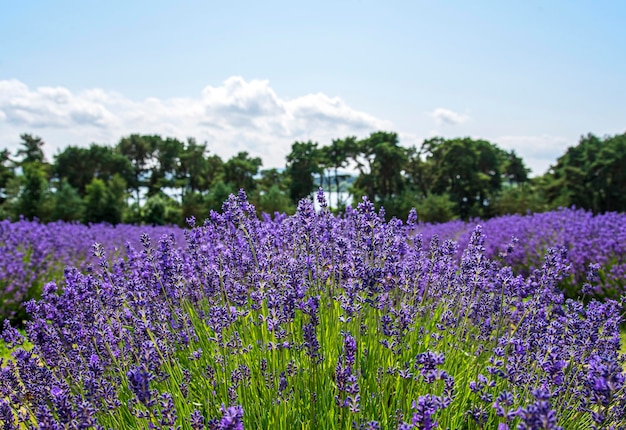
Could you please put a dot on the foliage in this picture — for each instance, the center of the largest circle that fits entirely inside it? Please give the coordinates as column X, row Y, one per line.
column 591, row 175
column 302, row 164
column 78, row 166
column 470, row 171
column 33, row 198
column 274, row 201
column 240, row 170
column 380, row 160
column 105, row 202
column 436, row 208
column 155, row 210
column 67, row 203
column 217, row 196
column 525, row 198
column 480, row 179
column 6, row 174
column 31, row 151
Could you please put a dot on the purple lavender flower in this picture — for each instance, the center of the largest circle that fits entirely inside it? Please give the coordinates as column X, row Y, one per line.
column 345, row 377
column 168, row 410
column 6, row 416
column 538, row 416
column 232, row 418
column 196, row 420
column 425, row 407
column 139, row 383
column 11, row 336
column 427, row 363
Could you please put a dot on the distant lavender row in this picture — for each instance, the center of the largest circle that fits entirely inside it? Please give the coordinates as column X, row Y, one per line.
column 588, row 239
column 32, row 253
column 313, row 321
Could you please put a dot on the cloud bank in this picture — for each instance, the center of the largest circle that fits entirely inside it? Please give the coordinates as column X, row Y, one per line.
column 237, row 115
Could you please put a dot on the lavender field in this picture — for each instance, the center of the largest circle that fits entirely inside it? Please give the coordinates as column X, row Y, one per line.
column 315, row 321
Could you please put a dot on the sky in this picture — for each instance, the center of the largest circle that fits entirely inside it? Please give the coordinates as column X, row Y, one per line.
column 256, row 76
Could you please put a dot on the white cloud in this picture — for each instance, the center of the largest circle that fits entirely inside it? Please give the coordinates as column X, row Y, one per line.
column 48, row 107
column 447, row 116
column 237, row 115
column 538, row 152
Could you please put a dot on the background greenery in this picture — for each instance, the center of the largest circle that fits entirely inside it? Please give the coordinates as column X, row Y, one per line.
column 161, row 180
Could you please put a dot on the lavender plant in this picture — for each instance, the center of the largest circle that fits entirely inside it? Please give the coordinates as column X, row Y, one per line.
column 595, row 244
column 313, row 321
column 32, row 254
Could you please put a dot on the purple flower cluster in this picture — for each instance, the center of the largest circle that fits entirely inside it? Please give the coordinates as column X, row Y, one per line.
column 32, row 253
column 346, row 377
column 592, row 240
column 318, row 317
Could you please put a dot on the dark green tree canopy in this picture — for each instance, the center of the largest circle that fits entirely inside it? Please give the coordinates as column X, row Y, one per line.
column 139, row 150
column 240, row 171
column 170, row 179
column 167, row 153
column 78, row 166
column 591, row 175
column 31, row 150
column 469, row 170
column 193, row 170
column 6, row 172
column 303, row 162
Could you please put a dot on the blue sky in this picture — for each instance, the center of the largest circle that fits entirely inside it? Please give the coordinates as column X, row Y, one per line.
column 527, row 75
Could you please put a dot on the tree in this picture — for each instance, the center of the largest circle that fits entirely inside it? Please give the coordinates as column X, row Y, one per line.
column 95, row 201
column 435, row 208
column 302, row 163
column 167, row 156
column 275, row 200
column 67, row 204
column 194, row 171
column 31, row 151
column 514, row 171
column 218, row 195
column 389, row 162
column 80, row 165
column 6, row 174
column 335, row 157
column 417, row 173
column 33, row 196
column 272, row 177
column 521, row 199
column 105, row 202
column 382, row 177
column 469, row 170
column 115, row 199
column 154, row 210
column 608, row 175
column 139, row 150
column 240, row 170
column 590, row 175
column 74, row 166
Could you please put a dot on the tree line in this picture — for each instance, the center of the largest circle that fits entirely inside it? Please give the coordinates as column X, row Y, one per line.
column 162, row 180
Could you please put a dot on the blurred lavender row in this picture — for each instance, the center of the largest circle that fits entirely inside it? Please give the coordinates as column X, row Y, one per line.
column 33, row 253
column 521, row 241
